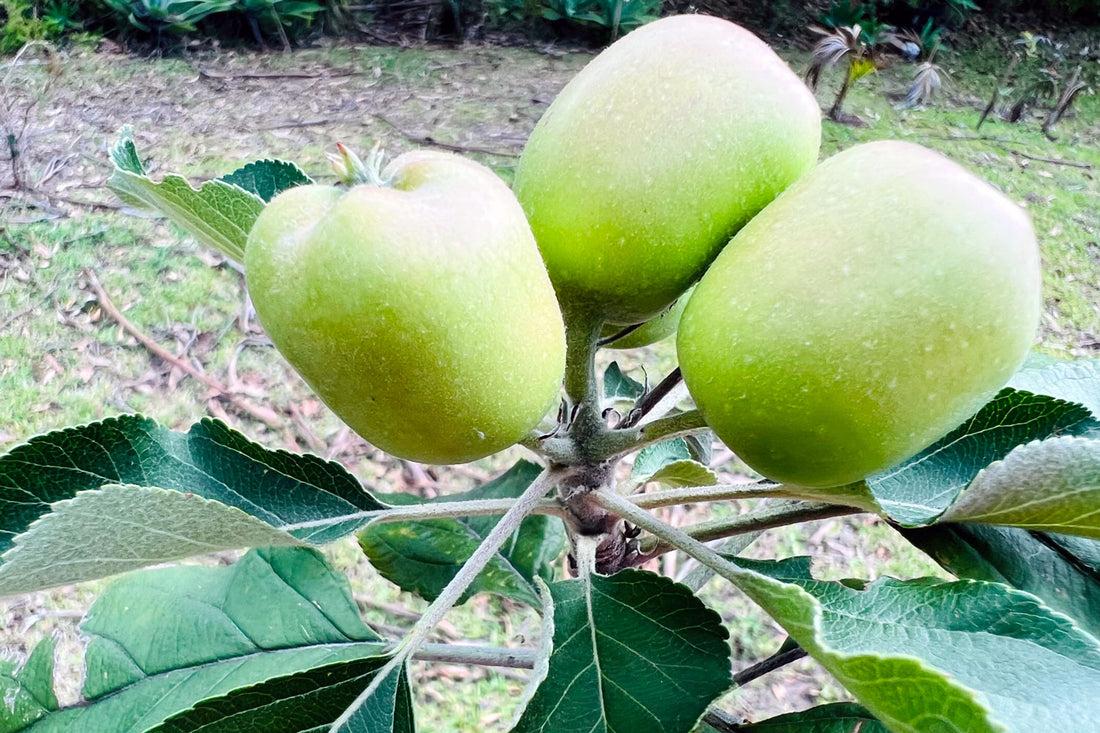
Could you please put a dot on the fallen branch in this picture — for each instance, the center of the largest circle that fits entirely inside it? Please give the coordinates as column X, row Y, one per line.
column 1052, row 161
column 1007, row 145
column 263, row 414
column 429, row 140
column 26, row 311
column 208, row 74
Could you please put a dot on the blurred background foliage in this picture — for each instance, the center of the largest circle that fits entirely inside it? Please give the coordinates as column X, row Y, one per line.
column 170, row 26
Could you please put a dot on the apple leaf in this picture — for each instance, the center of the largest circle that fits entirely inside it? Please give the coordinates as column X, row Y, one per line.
column 267, row 178
column 932, row 655
column 1072, row 381
column 305, row 496
column 840, row 717
column 618, row 387
column 208, row 645
column 672, row 463
column 387, row 710
column 27, row 689
column 917, row 491
column 423, row 556
column 120, row 528
column 295, row 703
column 653, row 458
column 1062, row 571
column 1051, row 485
column 218, row 214
column 633, row 651
column 679, row 474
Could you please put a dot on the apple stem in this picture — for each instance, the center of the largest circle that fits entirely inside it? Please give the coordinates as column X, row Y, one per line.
column 582, row 332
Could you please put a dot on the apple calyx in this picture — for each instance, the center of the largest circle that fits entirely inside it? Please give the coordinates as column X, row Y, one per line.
column 352, row 170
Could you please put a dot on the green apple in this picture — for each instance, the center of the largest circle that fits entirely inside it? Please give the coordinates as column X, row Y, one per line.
column 420, row 311
column 874, row 306
column 654, row 155
column 650, row 332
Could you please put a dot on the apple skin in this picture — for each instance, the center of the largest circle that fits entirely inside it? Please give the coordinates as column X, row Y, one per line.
column 872, row 308
column 654, row 155
column 653, row 330
column 420, row 312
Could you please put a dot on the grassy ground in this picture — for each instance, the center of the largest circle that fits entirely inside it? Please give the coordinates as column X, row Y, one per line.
column 64, row 361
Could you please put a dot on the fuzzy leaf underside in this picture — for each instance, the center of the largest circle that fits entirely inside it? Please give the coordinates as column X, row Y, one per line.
column 54, row 482
column 672, row 463
column 1052, row 485
column 1073, row 381
column 927, row 655
column 120, row 528
column 220, row 212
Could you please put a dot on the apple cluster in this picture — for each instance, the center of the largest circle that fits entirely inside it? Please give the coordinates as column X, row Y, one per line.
column 834, row 318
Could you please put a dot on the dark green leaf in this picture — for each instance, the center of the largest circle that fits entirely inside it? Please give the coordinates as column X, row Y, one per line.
column 424, row 556
column 27, row 690
column 841, row 717
column 210, row 462
column 268, row 178
column 917, row 491
column 932, row 655
column 164, row 641
column 617, row 387
column 631, row 652
column 1062, row 571
column 299, row 703
column 387, row 710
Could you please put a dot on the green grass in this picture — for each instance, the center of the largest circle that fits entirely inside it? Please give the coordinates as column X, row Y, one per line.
column 62, row 361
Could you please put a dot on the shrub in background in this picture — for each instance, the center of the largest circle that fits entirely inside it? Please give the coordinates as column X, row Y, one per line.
column 22, row 21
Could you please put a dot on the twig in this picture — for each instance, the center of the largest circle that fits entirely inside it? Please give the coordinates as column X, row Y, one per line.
column 651, row 398
column 621, row 442
column 307, row 123
column 16, row 316
column 778, row 514
column 719, row 492
column 480, row 655
column 414, row 642
column 265, row 415
column 433, row 510
column 789, row 652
